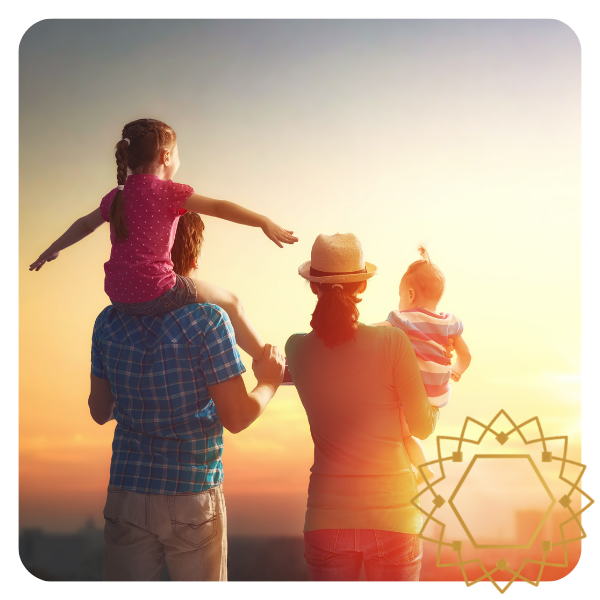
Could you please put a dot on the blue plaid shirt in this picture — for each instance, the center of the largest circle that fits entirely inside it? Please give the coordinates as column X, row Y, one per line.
column 168, row 438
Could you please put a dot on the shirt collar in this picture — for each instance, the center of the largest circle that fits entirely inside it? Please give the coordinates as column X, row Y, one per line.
column 141, row 176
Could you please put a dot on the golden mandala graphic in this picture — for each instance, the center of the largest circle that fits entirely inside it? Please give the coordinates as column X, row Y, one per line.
column 546, row 456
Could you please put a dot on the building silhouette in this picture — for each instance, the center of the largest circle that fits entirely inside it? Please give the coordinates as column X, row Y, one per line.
column 79, row 556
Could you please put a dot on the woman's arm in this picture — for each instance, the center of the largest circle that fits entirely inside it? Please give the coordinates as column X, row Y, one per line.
column 230, row 211
column 448, row 350
column 420, row 415
column 80, row 229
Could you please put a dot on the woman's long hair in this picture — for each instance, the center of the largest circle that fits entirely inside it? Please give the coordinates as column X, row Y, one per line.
column 335, row 318
column 188, row 243
column 147, row 139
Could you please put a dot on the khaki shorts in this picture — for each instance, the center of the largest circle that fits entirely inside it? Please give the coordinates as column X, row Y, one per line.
column 142, row 531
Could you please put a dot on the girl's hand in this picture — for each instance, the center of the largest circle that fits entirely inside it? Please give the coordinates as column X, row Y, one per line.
column 278, row 234
column 44, row 257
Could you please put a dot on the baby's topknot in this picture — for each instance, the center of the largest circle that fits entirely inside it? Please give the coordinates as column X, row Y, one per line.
column 424, row 254
column 425, row 277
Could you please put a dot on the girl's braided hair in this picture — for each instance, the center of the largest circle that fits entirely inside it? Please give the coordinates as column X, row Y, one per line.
column 147, row 139
column 425, row 277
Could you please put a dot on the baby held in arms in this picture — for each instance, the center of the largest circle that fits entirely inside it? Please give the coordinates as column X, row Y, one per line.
column 421, row 289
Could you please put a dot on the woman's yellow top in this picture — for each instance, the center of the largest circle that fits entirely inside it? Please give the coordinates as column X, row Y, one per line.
column 361, row 477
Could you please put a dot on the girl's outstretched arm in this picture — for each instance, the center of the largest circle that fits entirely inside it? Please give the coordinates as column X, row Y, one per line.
column 230, row 211
column 80, row 229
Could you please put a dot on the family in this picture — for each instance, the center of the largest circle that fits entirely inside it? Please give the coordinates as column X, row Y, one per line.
column 165, row 366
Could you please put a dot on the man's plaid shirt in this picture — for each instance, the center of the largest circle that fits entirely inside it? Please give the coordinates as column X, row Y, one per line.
column 168, row 438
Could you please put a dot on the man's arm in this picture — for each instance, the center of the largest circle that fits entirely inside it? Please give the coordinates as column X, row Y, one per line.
column 238, row 409
column 101, row 400
column 420, row 415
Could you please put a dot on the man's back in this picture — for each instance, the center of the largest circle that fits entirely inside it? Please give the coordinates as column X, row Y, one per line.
column 168, row 438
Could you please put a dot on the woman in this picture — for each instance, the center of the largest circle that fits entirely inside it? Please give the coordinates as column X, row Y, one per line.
column 351, row 379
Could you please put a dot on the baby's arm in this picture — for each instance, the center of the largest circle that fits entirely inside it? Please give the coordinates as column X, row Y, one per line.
column 230, row 211
column 80, row 229
column 463, row 358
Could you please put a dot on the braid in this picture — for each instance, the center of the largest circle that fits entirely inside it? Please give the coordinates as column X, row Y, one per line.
column 140, row 131
column 117, row 208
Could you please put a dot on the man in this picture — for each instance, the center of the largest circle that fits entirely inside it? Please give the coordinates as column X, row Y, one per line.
column 172, row 382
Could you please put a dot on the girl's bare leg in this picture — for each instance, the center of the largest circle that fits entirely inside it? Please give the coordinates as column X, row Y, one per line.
column 246, row 336
column 415, row 451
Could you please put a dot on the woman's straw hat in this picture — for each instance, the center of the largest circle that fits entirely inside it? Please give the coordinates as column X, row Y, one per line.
column 338, row 258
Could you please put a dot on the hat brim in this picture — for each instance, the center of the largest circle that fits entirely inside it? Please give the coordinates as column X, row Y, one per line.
column 304, row 271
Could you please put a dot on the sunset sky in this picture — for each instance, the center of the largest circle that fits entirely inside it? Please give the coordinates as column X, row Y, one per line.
column 461, row 135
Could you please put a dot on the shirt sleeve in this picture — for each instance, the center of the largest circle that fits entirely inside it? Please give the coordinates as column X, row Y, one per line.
column 97, row 354
column 420, row 415
column 105, row 204
column 455, row 327
column 396, row 320
column 177, row 194
column 220, row 359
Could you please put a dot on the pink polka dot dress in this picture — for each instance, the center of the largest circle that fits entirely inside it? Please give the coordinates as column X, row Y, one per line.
column 140, row 268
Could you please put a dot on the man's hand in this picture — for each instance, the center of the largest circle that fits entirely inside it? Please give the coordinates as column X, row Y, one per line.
column 269, row 369
column 278, row 234
column 238, row 409
column 44, row 257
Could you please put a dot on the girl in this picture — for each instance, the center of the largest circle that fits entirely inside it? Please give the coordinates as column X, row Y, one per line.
column 143, row 212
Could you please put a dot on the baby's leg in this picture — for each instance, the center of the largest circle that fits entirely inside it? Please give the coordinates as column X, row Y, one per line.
column 415, row 450
column 246, row 336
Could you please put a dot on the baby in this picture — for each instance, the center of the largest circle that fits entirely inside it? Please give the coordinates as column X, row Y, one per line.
column 421, row 289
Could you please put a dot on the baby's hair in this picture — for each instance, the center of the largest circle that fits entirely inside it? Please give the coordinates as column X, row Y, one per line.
column 147, row 139
column 188, row 243
column 425, row 277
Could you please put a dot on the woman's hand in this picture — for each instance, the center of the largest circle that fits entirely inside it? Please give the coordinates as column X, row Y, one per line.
column 44, row 257
column 278, row 234
column 454, row 376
